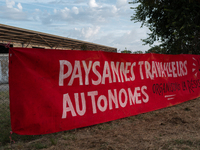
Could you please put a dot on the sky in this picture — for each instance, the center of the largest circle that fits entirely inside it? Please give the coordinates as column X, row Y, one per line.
column 105, row 22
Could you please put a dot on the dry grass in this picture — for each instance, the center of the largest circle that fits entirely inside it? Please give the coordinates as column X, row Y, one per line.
column 173, row 128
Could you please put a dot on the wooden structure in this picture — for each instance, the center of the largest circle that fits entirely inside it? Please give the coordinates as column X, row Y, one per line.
column 19, row 37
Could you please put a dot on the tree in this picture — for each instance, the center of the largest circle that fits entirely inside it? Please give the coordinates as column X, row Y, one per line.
column 126, row 51
column 137, row 52
column 176, row 24
column 156, row 49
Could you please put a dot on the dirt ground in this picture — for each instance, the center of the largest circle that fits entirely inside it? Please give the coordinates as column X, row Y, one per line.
column 173, row 128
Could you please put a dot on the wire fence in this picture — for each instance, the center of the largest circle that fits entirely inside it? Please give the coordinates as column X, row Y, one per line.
column 5, row 126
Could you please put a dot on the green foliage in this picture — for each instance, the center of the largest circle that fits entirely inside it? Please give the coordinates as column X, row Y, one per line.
column 156, row 49
column 137, row 52
column 176, row 24
column 130, row 52
column 126, row 51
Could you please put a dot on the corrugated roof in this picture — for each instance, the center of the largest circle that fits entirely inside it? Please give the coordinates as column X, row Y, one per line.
column 24, row 36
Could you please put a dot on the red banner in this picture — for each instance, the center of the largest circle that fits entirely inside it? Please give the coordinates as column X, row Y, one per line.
column 56, row 90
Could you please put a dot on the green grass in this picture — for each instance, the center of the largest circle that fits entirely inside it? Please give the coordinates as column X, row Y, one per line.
column 69, row 136
column 40, row 146
column 4, row 95
column 181, row 144
column 186, row 142
column 53, row 141
column 4, row 124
